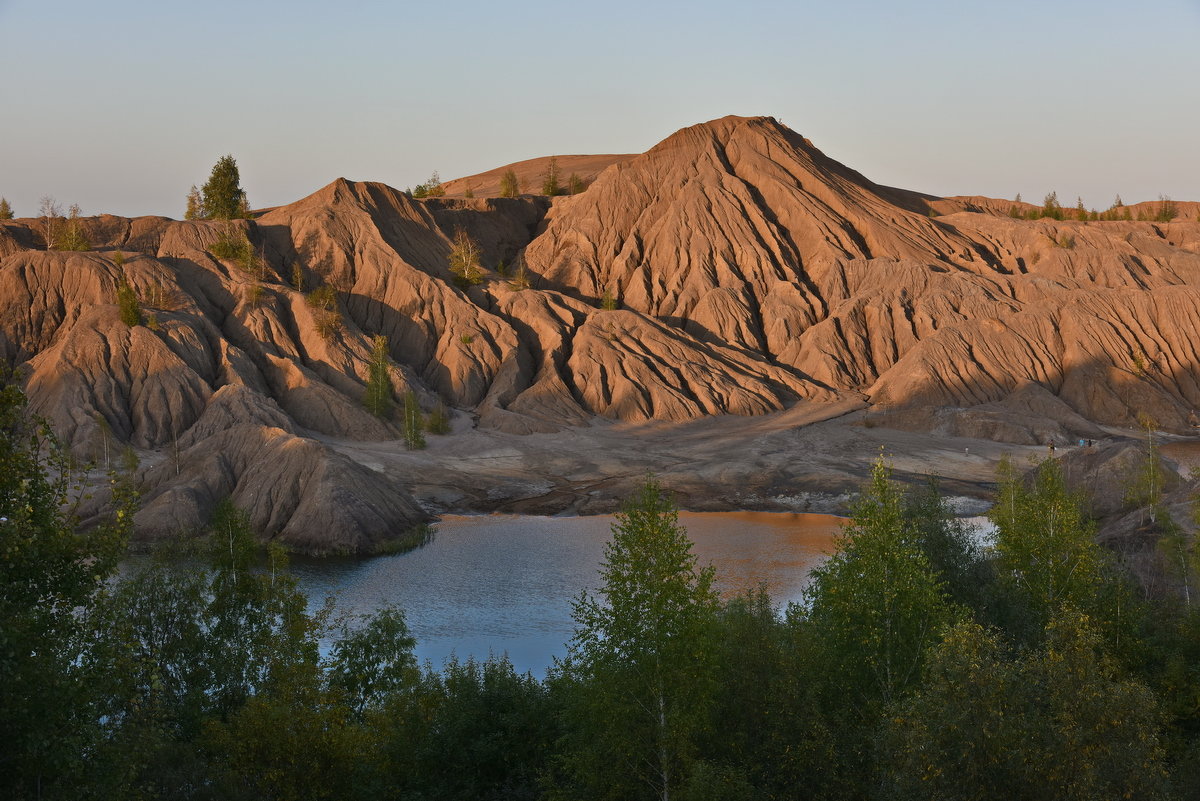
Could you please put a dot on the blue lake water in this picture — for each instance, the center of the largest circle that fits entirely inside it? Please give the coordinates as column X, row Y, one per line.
column 504, row 583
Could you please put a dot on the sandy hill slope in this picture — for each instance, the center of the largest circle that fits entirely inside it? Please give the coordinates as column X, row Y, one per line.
column 531, row 174
column 733, row 269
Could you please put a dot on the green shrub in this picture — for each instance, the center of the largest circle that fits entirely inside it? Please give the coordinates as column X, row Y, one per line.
column 127, row 302
column 509, row 186
column 233, row 245
column 327, row 316
column 438, row 421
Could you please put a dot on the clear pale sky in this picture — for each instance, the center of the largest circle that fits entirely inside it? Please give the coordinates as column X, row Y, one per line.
column 120, row 106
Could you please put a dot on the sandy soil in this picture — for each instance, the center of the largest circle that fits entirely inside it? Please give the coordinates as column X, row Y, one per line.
column 812, row 457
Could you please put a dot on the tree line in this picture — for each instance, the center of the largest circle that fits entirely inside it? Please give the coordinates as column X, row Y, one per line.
column 919, row 665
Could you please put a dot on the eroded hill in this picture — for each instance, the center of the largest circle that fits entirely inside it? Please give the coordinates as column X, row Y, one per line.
column 733, row 269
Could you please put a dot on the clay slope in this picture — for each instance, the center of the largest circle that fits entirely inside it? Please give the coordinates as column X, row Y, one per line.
column 732, row 269
column 531, row 174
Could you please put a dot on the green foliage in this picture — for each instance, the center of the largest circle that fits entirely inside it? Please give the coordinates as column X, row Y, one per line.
column 70, row 235
column 374, row 660
column 640, row 675
column 378, row 395
column 948, row 544
column 877, row 605
column 298, row 276
column 608, row 302
column 414, row 438
column 552, row 183
column 1066, row 241
column 128, row 304
column 575, row 184
column 466, row 339
column 438, row 421
column 509, row 187
column 195, row 205
column 222, row 194
column 1055, row 723
column 465, row 260
column 431, row 188
column 1167, row 210
column 327, row 315
column 1046, row 555
column 6, row 212
column 520, row 276
column 234, row 245
column 1051, row 207
column 49, row 572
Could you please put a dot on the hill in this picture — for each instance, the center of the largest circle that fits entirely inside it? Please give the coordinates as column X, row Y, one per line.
column 728, row 285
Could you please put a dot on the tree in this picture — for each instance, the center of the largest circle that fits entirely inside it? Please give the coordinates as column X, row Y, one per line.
column 50, row 573
column 71, row 236
column 551, row 185
column 431, row 188
column 1051, row 207
column 374, row 660
column 1046, row 555
column 1146, row 488
column 948, row 543
column 465, row 255
column 640, row 668
column 128, row 304
column 509, row 187
column 575, row 184
column 520, row 277
column 608, row 301
column 414, row 439
column 223, row 197
column 439, row 419
column 1056, row 723
column 6, row 212
column 378, row 395
column 49, row 211
column 877, row 605
column 195, row 205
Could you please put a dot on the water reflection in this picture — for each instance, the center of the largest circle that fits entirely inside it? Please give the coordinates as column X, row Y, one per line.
column 504, row 583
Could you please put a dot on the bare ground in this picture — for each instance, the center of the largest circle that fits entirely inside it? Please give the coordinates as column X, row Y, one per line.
column 812, row 457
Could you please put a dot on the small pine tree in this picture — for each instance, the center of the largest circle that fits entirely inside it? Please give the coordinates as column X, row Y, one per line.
column 298, row 276
column 378, row 396
column 195, row 205
column 6, row 212
column 223, row 197
column 414, row 439
column 609, row 301
column 470, row 192
column 127, row 302
column 551, row 185
column 508, row 184
column 1080, row 212
column 574, row 184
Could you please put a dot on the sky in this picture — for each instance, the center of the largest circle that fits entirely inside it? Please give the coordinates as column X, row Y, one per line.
column 121, row 106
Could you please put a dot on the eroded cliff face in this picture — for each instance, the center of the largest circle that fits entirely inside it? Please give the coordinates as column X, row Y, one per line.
column 750, row 272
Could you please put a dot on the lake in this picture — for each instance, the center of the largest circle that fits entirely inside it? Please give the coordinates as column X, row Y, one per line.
column 504, row 583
